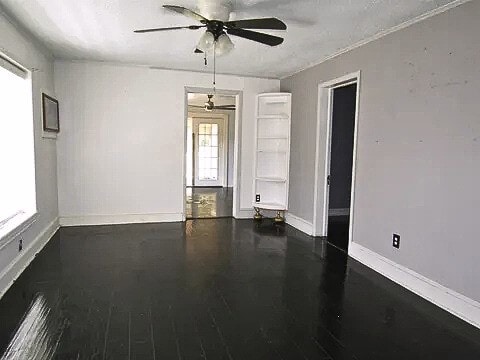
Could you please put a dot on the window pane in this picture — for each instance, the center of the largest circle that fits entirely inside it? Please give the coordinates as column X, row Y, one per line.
column 208, row 128
column 213, row 163
column 202, row 163
column 214, row 128
column 214, row 151
column 214, row 140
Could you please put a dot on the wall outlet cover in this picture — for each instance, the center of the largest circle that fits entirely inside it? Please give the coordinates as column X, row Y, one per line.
column 396, row 241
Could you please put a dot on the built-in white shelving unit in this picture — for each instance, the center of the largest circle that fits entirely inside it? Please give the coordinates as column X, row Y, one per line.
column 272, row 152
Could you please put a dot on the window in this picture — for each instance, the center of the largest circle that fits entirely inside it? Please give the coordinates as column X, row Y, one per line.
column 208, row 151
column 17, row 165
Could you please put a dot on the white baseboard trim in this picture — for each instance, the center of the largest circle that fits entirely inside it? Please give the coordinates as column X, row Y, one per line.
column 244, row 214
column 23, row 259
column 339, row 212
column 119, row 219
column 459, row 305
column 299, row 224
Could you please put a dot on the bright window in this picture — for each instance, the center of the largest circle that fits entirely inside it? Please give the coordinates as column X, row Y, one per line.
column 208, row 151
column 17, row 165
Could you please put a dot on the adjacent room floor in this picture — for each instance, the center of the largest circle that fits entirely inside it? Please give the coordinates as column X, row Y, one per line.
column 338, row 227
column 208, row 202
column 216, row 289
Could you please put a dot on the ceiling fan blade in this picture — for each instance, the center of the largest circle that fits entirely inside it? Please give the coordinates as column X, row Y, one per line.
column 256, row 36
column 198, row 51
column 191, row 27
column 225, row 107
column 187, row 12
column 266, row 23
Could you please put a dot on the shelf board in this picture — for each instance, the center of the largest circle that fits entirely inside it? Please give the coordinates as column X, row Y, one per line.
column 271, row 179
column 278, row 95
column 272, row 138
column 274, row 117
column 272, row 151
column 271, row 206
column 275, row 100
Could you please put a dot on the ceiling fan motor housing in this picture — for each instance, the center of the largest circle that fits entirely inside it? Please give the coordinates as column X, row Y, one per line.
column 216, row 28
column 215, row 9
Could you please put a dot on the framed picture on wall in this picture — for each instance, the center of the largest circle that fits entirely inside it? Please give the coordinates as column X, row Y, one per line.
column 51, row 123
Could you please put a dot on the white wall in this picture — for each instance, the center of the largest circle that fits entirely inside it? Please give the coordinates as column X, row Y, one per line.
column 20, row 47
column 231, row 144
column 121, row 148
column 418, row 165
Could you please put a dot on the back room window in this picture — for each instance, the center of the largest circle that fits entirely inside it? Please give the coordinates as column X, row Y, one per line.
column 17, row 163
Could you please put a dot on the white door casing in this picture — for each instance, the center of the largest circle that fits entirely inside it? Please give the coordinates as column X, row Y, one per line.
column 323, row 149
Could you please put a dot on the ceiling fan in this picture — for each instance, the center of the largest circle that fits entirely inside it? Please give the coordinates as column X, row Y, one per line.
column 210, row 106
column 216, row 35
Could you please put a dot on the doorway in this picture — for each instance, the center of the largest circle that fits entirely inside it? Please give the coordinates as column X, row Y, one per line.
column 337, row 128
column 210, row 137
column 339, row 178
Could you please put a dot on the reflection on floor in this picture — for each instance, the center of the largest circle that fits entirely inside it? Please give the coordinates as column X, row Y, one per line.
column 338, row 231
column 216, row 289
column 207, row 203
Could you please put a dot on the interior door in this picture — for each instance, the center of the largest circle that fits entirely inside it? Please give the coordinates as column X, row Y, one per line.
column 209, row 151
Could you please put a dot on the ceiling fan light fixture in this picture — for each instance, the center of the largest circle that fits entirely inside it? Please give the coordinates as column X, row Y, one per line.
column 223, row 45
column 206, row 42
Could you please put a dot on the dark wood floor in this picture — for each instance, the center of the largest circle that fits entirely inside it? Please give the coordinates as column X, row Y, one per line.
column 208, row 202
column 216, row 289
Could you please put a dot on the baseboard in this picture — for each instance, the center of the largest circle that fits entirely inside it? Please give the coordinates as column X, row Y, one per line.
column 20, row 263
column 339, row 212
column 119, row 219
column 244, row 214
column 459, row 305
column 299, row 224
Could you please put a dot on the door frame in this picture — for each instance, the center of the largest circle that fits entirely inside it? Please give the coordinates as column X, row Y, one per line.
column 323, row 152
column 237, row 157
column 225, row 139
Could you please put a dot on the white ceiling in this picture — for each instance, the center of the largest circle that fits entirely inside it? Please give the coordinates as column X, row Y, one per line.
column 102, row 30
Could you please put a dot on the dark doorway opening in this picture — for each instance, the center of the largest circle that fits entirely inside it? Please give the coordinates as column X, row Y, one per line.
column 341, row 164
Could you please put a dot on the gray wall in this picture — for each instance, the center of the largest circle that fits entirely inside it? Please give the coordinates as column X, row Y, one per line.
column 418, row 164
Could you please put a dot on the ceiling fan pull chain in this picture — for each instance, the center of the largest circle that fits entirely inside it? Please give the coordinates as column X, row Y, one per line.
column 214, row 66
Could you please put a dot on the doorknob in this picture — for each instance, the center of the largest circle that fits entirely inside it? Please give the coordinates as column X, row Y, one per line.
column 328, row 180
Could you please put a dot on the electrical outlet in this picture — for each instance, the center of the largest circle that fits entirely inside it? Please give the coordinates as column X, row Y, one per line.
column 20, row 244
column 257, row 198
column 396, row 241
